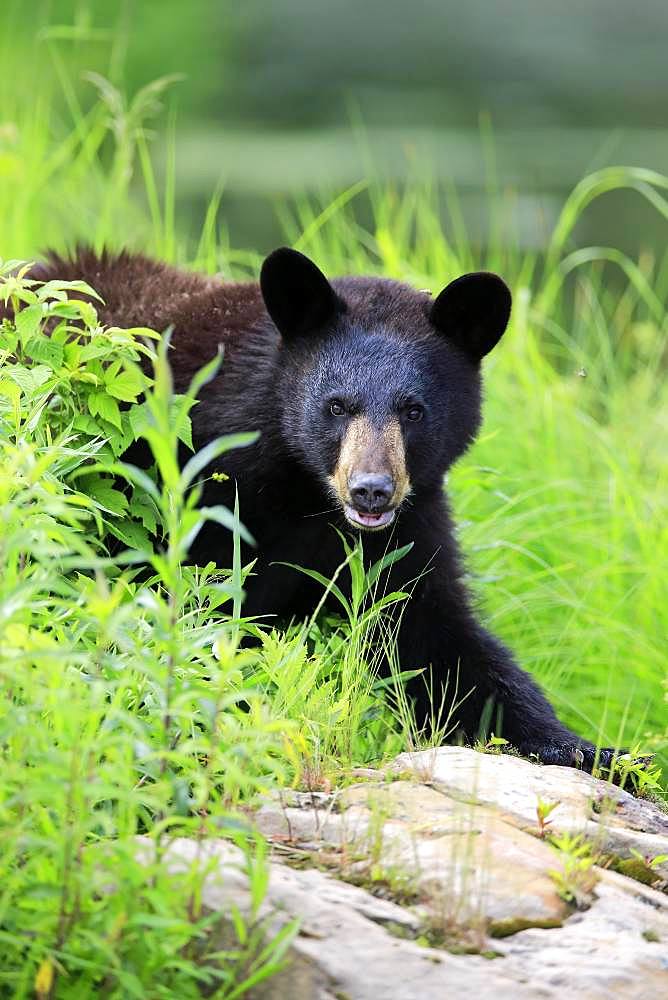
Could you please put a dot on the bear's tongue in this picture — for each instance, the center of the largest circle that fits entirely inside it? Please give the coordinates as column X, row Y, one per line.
column 369, row 520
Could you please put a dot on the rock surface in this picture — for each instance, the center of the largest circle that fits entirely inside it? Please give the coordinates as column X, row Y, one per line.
column 446, row 851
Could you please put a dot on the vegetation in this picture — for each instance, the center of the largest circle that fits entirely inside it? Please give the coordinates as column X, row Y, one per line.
column 128, row 705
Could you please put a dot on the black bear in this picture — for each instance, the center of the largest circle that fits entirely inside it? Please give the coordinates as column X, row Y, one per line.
column 365, row 392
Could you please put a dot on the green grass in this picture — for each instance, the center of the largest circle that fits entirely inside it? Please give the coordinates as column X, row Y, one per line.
column 126, row 704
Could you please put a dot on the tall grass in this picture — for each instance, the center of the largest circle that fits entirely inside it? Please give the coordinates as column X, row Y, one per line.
column 127, row 704
column 563, row 499
column 562, row 502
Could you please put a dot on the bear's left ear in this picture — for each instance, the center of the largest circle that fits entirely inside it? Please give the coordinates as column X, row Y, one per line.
column 297, row 294
column 473, row 311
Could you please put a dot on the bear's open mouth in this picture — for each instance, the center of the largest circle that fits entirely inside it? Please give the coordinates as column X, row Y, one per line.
column 371, row 522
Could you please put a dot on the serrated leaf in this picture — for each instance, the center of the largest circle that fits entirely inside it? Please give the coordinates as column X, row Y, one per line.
column 30, row 379
column 132, row 534
column 9, row 338
column 106, row 496
column 56, row 288
column 88, row 314
column 125, row 386
column 28, row 321
column 135, row 332
column 84, row 422
column 86, row 377
column 43, row 349
column 98, row 348
column 65, row 310
column 184, row 430
column 135, row 476
column 145, row 511
column 102, row 405
column 140, row 418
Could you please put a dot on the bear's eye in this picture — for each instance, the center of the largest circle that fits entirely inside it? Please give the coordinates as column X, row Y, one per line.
column 414, row 412
column 336, row 408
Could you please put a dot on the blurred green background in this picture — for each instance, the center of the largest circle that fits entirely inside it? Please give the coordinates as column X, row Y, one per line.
column 511, row 100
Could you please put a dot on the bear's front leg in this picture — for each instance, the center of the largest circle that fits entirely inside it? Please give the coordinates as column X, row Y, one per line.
column 487, row 690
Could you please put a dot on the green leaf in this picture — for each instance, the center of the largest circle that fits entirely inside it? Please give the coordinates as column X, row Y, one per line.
column 9, row 338
column 58, row 289
column 98, row 348
column 126, row 386
column 10, row 390
column 102, row 405
column 184, row 429
column 135, row 332
column 30, row 379
column 223, row 516
column 105, row 495
column 212, row 451
column 205, row 374
column 145, row 511
column 28, row 321
column 140, row 418
column 131, row 534
column 329, row 585
column 75, row 309
column 43, row 349
column 135, row 476
column 387, row 560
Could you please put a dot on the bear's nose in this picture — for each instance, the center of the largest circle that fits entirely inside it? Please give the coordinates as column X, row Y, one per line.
column 371, row 491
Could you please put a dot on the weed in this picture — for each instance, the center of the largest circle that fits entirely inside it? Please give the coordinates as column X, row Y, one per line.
column 543, row 812
column 494, row 745
column 637, row 773
column 575, row 879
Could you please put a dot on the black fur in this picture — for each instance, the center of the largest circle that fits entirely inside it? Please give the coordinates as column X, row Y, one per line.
column 379, row 345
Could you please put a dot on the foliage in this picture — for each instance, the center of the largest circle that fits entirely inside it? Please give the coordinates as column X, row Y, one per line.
column 123, row 708
column 544, row 810
column 129, row 704
column 636, row 773
column 574, row 878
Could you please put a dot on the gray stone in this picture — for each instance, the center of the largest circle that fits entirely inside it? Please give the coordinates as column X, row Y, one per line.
column 452, row 846
column 610, row 818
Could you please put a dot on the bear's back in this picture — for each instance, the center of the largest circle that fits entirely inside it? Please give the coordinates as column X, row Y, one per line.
column 202, row 312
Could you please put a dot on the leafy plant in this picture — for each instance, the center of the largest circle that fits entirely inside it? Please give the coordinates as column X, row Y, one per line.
column 494, row 745
column 574, row 879
column 122, row 706
column 637, row 771
column 543, row 812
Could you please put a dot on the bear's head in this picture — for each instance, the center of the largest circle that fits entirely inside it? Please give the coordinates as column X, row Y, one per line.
column 379, row 386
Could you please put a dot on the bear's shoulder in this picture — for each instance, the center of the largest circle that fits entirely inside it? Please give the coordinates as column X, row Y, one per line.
column 202, row 311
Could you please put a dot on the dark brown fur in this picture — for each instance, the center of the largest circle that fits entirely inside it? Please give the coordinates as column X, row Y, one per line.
column 376, row 344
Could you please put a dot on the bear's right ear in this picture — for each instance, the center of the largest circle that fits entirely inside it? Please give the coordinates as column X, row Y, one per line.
column 297, row 294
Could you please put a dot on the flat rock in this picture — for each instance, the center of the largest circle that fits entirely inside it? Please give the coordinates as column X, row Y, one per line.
column 466, row 864
column 618, row 947
column 614, row 820
column 350, row 944
column 446, row 857
column 343, row 949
